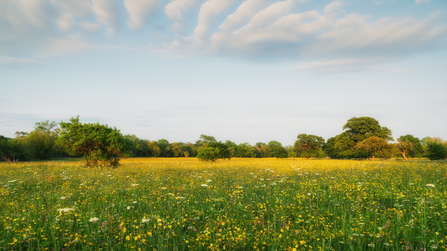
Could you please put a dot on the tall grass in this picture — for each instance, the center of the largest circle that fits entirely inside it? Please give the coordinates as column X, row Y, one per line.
column 241, row 204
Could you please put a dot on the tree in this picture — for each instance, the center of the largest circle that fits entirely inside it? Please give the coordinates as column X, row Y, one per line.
column 375, row 146
column 208, row 153
column 417, row 149
column 280, row 152
column 95, row 142
column 436, row 149
column 309, row 145
column 404, row 147
column 177, row 149
column 273, row 147
column 165, row 147
column 357, row 130
column 156, row 151
column 245, row 150
column 330, row 149
column 6, row 153
column 205, row 140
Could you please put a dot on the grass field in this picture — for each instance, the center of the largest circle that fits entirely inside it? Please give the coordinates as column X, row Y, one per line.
column 241, row 204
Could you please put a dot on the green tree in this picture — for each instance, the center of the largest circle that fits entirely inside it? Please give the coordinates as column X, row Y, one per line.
column 280, row 152
column 330, row 149
column 6, row 153
column 309, row 146
column 273, row 147
column 156, row 151
column 245, row 150
column 177, row 149
column 375, row 146
column 357, row 130
column 205, row 140
column 165, row 147
column 95, row 142
column 206, row 153
column 436, row 149
column 417, row 149
column 404, row 147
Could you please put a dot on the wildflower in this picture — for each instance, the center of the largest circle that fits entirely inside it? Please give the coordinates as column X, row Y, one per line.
column 11, row 181
column 144, row 220
column 208, row 181
column 128, row 207
column 134, row 185
column 204, row 185
column 430, row 185
column 134, row 202
column 65, row 210
column 62, row 198
column 94, row 220
column 273, row 184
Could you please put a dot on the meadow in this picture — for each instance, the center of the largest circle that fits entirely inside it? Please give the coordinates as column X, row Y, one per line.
column 237, row 204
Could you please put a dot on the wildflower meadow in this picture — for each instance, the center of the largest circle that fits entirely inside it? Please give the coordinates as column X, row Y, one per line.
column 237, row 204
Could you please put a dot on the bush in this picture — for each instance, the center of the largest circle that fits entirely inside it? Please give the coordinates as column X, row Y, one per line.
column 208, row 153
column 436, row 151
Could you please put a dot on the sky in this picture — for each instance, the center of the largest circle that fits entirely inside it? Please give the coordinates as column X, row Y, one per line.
column 240, row 70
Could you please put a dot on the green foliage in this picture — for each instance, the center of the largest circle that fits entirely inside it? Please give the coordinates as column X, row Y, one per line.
column 309, row 146
column 96, row 143
column 417, row 149
column 5, row 148
column 436, row 150
column 404, row 147
column 375, row 147
column 330, row 149
column 357, row 130
column 208, row 153
column 280, row 152
column 205, row 140
column 245, row 150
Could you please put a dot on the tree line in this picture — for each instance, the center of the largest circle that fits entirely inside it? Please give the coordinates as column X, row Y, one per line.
column 362, row 137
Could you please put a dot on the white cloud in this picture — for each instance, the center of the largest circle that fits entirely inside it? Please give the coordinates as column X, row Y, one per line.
column 422, row 1
column 271, row 14
column 335, row 6
column 35, row 12
column 343, row 42
column 208, row 12
column 139, row 10
column 243, row 14
column 79, row 8
column 175, row 8
column 107, row 13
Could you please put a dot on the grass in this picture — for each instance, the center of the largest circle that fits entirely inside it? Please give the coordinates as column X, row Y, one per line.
column 241, row 204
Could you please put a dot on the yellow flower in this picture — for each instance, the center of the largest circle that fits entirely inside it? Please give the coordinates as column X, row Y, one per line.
column 302, row 242
column 128, row 238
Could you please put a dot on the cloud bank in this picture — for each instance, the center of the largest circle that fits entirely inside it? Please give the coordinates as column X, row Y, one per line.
column 318, row 38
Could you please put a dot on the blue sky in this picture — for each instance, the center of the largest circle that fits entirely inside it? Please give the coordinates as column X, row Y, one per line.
column 246, row 71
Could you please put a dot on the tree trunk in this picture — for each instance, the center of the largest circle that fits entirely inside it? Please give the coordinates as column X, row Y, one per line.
column 403, row 155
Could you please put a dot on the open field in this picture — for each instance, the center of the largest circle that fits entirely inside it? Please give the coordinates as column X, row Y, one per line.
column 241, row 204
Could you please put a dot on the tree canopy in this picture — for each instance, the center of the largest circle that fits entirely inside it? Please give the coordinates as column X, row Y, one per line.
column 309, row 146
column 95, row 142
column 357, row 130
